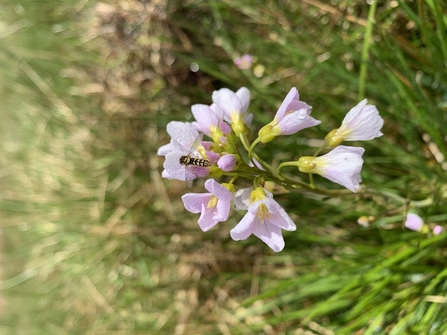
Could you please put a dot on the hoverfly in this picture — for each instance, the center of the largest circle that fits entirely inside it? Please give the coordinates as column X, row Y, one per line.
column 190, row 162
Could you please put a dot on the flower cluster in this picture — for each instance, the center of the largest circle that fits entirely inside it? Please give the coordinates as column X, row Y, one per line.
column 226, row 123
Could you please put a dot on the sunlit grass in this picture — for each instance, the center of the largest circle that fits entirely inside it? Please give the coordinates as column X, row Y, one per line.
column 94, row 241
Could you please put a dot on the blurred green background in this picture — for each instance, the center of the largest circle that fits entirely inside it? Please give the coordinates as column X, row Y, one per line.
column 94, row 241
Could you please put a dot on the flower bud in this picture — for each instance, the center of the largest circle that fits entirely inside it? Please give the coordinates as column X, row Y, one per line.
column 228, row 163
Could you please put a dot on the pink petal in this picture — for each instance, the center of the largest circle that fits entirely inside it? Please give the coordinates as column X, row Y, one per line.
column 205, row 116
column 244, row 228
column 227, row 101
column 282, row 220
column 343, row 166
column 362, row 122
column 165, row 149
column 223, row 210
column 414, row 222
column 173, row 167
column 182, row 132
column 288, row 104
column 242, row 198
column 207, row 220
column 294, row 122
column 437, row 230
column 244, row 97
column 221, row 192
column 270, row 235
column 193, row 201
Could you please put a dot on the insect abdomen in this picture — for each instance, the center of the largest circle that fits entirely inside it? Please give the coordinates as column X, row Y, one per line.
column 199, row 162
column 186, row 160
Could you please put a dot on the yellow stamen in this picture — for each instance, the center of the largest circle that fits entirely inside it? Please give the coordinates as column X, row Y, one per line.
column 263, row 212
column 212, row 202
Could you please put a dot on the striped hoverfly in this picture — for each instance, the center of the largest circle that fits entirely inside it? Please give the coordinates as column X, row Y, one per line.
column 191, row 162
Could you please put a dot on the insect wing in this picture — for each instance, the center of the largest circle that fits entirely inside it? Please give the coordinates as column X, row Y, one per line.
column 197, row 142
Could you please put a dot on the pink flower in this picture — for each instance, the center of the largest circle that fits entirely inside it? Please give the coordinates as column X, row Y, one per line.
column 234, row 106
column 292, row 116
column 414, row 222
column 362, row 123
column 265, row 218
column 342, row 165
column 437, row 230
column 363, row 221
column 214, row 206
column 244, row 62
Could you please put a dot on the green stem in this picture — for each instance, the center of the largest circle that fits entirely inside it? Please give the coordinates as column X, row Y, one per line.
column 311, row 180
column 321, row 148
column 365, row 49
column 250, row 150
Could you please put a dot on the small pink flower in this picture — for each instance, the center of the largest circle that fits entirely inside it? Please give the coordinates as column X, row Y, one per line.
column 244, row 62
column 437, row 230
column 214, row 206
column 292, row 116
column 232, row 102
column 265, row 218
column 414, row 222
column 342, row 165
column 362, row 123
column 363, row 221
column 234, row 106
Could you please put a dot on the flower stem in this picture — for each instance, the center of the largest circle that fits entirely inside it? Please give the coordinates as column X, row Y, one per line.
column 320, row 149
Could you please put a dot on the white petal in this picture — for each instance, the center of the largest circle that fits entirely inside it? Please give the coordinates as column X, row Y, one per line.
column 270, row 235
column 182, row 132
column 244, row 97
column 193, row 201
column 244, row 228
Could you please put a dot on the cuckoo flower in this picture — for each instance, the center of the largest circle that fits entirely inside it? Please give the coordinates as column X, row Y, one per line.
column 244, row 62
column 414, row 222
column 437, row 230
column 341, row 165
column 234, row 106
column 265, row 218
column 362, row 123
column 214, row 206
column 292, row 116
